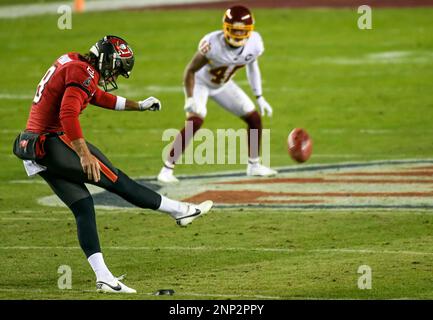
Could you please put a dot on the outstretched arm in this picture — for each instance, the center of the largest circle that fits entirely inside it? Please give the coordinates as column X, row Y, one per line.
column 70, row 109
column 109, row 101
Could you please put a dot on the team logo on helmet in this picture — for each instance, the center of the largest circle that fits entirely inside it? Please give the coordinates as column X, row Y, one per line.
column 121, row 47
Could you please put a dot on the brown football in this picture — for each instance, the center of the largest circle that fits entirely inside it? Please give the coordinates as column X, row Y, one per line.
column 300, row 145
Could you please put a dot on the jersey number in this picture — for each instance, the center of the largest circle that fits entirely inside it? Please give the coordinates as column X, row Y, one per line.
column 41, row 85
column 219, row 74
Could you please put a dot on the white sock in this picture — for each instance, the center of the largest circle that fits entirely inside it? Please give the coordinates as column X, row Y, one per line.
column 98, row 265
column 167, row 168
column 253, row 161
column 166, row 171
column 173, row 207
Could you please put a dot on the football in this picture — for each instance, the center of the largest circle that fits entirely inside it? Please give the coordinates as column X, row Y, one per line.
column 300, row 145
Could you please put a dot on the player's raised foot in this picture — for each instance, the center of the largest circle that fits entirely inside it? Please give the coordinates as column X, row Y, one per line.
column 114, row 286
column 194, row 211
column 166, row 176
column 256, row 169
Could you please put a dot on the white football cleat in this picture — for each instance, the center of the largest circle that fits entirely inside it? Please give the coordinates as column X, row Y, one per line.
column 166, row 176
column 194, row 211
column 114, row 286
column 256, row 169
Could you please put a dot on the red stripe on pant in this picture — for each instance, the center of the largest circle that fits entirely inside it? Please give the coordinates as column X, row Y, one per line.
column 105, row 170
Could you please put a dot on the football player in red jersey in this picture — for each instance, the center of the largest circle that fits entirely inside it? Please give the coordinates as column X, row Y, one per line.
column 64, row 159
column 209, row 75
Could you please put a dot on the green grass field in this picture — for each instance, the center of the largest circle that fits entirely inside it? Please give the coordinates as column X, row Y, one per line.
column 362, row 95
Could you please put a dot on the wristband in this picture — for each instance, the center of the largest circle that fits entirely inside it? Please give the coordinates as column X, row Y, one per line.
column 120, row 103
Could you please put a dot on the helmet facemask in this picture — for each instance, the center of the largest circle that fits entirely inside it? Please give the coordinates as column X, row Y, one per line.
column 237, row 34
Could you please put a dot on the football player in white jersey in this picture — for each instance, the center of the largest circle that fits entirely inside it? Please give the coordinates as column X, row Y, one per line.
column 220, row 54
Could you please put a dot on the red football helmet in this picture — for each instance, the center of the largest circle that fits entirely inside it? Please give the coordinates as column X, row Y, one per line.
column 238, row 23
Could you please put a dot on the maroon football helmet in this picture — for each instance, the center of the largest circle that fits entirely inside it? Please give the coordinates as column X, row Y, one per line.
column 238, row 23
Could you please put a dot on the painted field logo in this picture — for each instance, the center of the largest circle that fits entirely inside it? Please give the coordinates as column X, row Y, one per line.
column 400, row 184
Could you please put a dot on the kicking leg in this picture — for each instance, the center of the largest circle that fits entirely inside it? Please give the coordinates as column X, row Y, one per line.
column 62, row 161
column 143, row 197
column 78, row 199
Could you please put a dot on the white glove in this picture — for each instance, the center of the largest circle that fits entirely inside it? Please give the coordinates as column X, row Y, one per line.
column 190, row 105
column 151, row 104
column 264, row 106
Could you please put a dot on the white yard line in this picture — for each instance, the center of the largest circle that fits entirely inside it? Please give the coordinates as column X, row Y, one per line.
column 100, row 211
column 207, row 249
column 387, row 57
column 110, row 210
column 33, row 211
column 34, row 219
column 7, row 96
column 342, row 131
column 28, row 181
